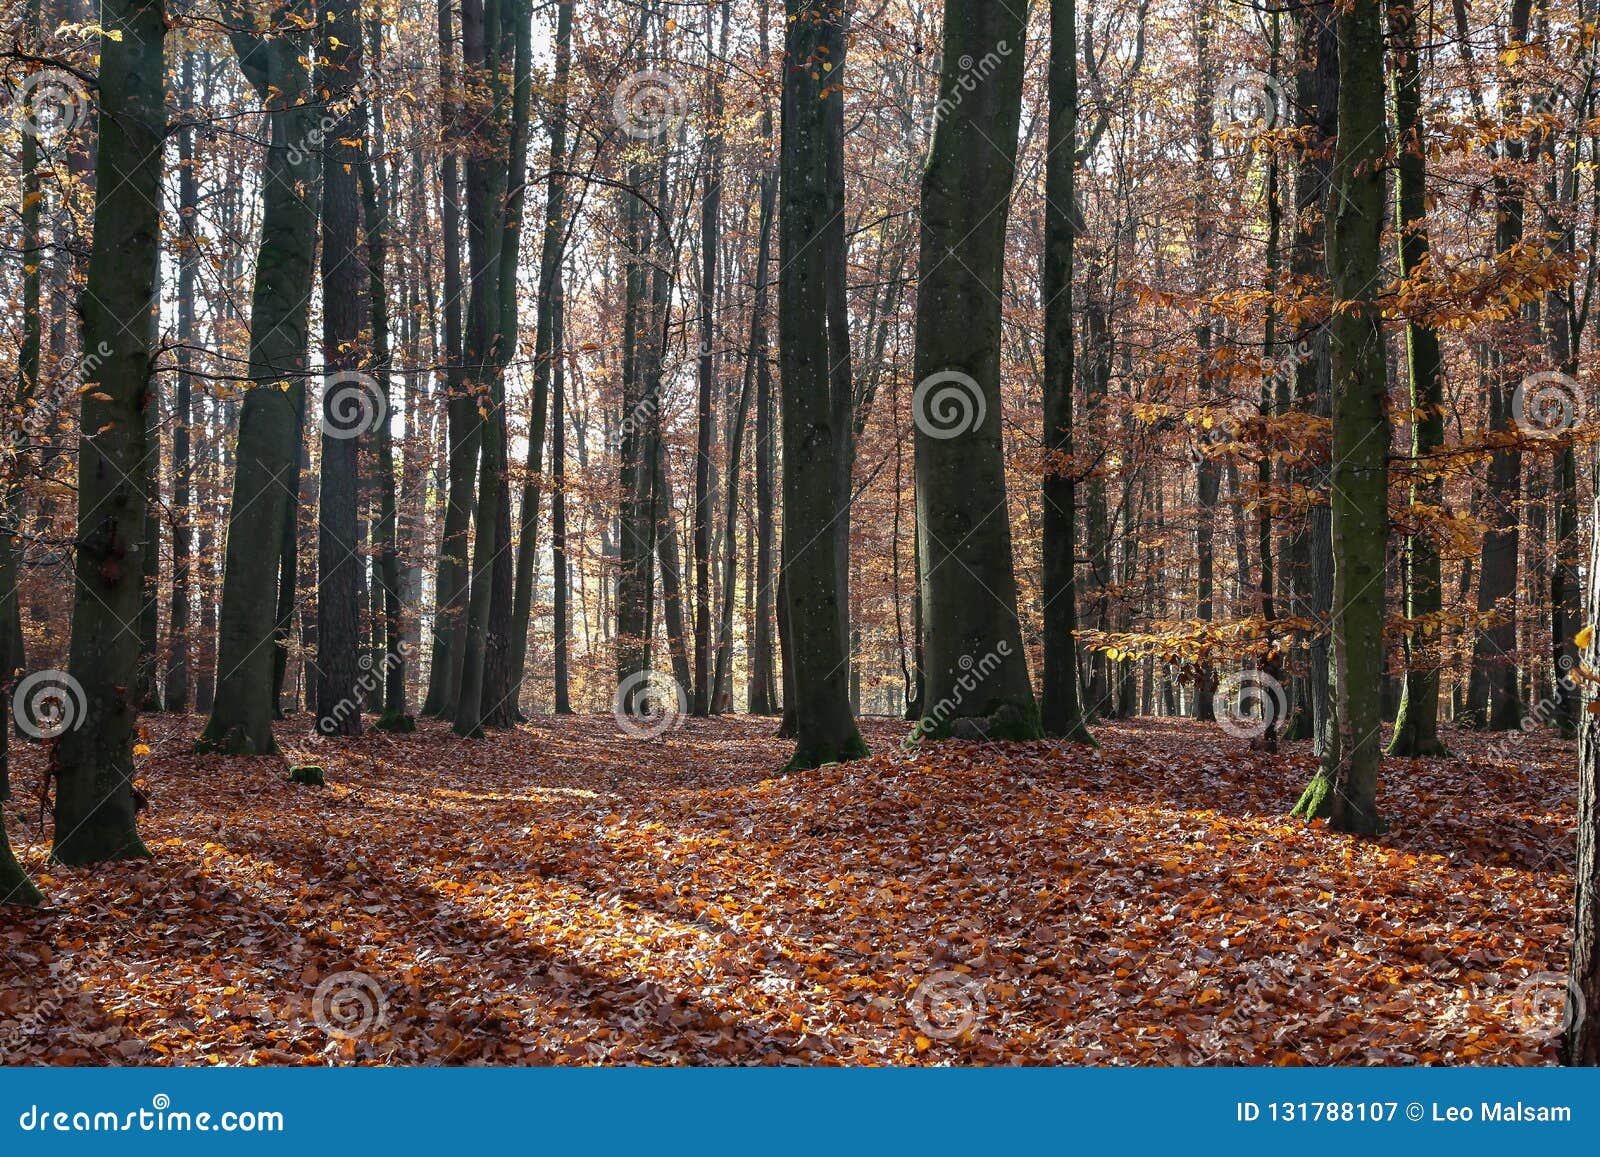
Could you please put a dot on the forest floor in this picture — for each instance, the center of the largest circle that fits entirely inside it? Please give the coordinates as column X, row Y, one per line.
column 567, row 894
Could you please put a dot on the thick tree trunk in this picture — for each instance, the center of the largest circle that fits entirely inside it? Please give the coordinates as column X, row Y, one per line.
column 974, row 662
column 94, row 812
column 266, row 458
column 484, row 42
column 812, row 440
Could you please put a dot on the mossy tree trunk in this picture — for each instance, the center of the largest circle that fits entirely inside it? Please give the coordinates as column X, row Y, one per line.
column 94, row 810
column 1345, row 789
column 813, row 500
column 973, row 658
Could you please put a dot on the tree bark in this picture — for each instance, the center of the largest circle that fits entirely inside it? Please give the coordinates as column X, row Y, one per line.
column 1061, row 698
column 267, row 453
column 813, row 442
column 974, row 662
column 1345, row 789
column 94, row 811
column 1416, row 729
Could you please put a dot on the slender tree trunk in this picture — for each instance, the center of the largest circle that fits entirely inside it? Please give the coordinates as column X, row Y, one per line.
column 1493, row 700
column 177, row 683
column 562, row 628
column 376, row 201
column 349, row 407
column 552, row 254
column 94, row 812
column 1061, row 700
column 723, row 683
column 1345, row 789
column 705, row 686
column 1416, row 729
column 764, row 691
column 463, row 426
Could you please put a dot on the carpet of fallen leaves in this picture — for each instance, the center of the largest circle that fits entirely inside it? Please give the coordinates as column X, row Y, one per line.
column 567, row 894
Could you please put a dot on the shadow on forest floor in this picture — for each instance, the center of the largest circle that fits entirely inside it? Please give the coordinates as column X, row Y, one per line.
column 564, row 893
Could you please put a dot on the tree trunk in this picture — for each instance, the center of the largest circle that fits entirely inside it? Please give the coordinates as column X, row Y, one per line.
column 562, row 628
column 974, row 662
column 1416, row 729
column 94, row 812
column 267, row 455
column 1493, row 700
column 1345, row 789
column 1581, row 1045
column 552, row 254
column 349, row 404
column 463, row 429
column 812, row 441
column 1061, row 699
